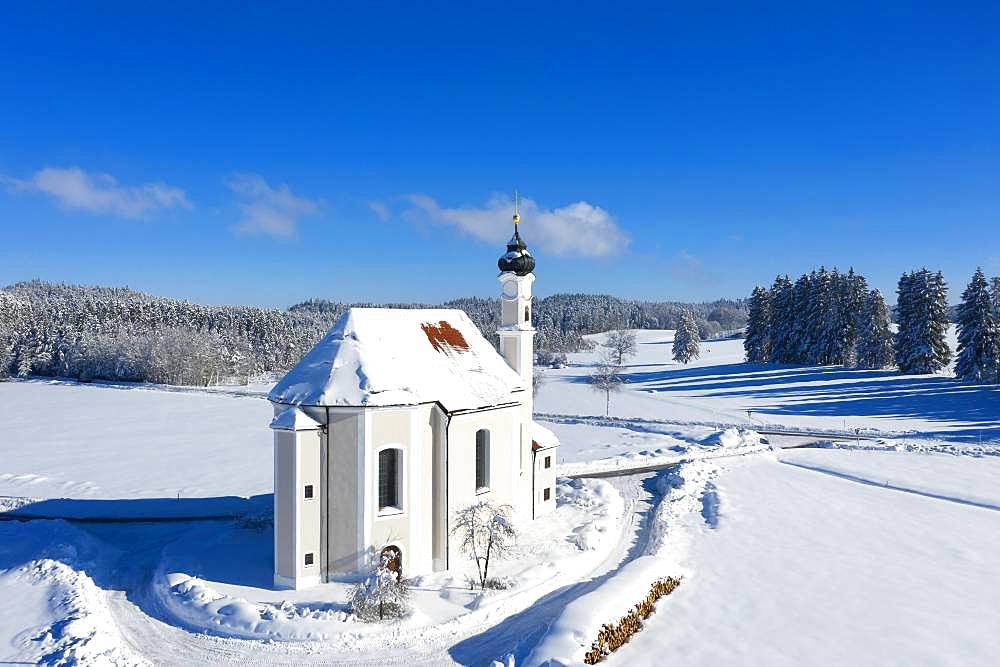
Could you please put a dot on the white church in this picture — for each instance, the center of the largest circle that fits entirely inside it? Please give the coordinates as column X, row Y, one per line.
column 397, row 419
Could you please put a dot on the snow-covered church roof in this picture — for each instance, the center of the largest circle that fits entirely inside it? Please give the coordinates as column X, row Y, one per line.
column 386, row 356
column 293, row 419
column 541, row 437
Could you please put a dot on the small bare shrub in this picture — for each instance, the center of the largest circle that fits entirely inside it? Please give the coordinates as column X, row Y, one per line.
column 500, row 583
column 487, row 533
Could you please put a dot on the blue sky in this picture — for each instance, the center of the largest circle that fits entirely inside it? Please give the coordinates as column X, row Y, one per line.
column 665, row 151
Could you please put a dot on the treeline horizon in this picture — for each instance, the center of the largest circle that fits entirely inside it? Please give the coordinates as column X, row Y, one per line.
column 60, row 329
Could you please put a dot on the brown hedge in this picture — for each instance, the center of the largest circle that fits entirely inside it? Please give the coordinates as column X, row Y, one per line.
column 613, row 635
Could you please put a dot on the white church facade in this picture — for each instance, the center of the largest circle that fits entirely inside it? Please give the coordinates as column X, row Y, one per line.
column 396, row 420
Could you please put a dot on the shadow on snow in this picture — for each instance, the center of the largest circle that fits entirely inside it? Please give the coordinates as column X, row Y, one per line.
column 836, row 391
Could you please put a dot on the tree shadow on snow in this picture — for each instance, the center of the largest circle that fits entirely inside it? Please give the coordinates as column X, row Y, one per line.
column 836, row 391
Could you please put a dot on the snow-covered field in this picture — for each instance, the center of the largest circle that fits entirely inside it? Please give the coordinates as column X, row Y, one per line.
column 62, row 439
column 720, row 387
column 871, row 552
column 806, row 568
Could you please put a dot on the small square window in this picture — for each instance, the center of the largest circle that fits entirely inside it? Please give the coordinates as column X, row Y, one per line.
column 548, row 461
column 547, row 494
column 309, row 491
column 309, row 556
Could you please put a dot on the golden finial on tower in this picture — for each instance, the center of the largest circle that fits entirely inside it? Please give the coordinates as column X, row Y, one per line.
column 517, row 217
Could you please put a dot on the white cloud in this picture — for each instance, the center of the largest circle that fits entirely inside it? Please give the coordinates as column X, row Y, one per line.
column 686, row 265
column 100, row 193
column 380, row 210
column 579, row 228
column 267, row 210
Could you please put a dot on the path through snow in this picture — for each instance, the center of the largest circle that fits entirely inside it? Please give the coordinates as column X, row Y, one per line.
column 138, row 612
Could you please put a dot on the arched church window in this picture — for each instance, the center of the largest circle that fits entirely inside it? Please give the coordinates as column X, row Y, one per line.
column 390, row 479
column 527, row 315
column 482, row 460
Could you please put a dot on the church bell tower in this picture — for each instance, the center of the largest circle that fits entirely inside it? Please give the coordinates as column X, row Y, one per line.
column 516, row 277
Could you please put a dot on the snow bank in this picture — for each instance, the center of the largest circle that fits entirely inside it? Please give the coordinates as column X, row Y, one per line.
column 572, row 633
column 197, row 604
column 915, row 446
column 733, row 437
column 600, row 503
column 729, row 442
column 80, row 628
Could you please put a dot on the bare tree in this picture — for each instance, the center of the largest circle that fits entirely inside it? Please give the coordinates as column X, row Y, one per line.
column 621, row 343
column 607, row 378
column 537, row 380
column 486, row 533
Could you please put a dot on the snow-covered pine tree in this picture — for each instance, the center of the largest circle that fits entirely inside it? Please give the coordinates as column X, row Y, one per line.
column 801, row 292
column 923, row 322
column 757, row 342
column 382, row 594
column 814, row 321
column 818, row 313
column 781, row 332
column 838, row 324
column 686, row 339
column 905, row 322
column 978, row 338
column 995, row 295
column 854, row 301
column 940, row 321
column 874, row 330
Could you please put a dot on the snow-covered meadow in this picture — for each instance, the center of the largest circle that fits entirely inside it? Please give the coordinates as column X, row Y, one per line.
column 720, row 387
column 868, row 552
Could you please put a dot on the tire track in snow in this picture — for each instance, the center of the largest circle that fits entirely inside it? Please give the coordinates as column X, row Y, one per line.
column 893, row 487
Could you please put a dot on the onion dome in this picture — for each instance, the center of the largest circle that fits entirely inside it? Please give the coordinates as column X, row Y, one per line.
column 517, row 259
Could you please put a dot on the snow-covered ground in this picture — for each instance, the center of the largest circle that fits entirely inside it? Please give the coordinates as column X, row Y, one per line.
column 720, row 387
column 63, row 439
column 870, row 552
column 807, row 568
column 57, row 437
column 199, row 585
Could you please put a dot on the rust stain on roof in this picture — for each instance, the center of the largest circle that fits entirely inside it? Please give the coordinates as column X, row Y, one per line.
column 444, row 337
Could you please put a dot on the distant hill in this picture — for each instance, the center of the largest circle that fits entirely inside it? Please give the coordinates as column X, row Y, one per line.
column 116, row 333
